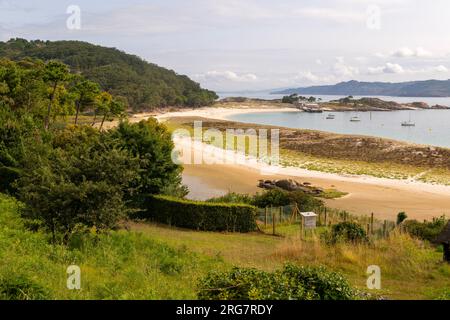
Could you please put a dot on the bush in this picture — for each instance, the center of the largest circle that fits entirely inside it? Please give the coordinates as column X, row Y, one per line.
column 427, row 230
column 305, row 202
column 401, row 216
column 151, row 143
column 21, row 288
column 290, row 283
column 274, row 197
column 200, row 215
column 233, row 197
column 82, row 184
column 347, row 232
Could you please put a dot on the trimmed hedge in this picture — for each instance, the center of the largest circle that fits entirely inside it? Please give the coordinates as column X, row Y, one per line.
column 205, row 216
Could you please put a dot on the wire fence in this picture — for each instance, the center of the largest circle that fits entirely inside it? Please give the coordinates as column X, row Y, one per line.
column 272, row 217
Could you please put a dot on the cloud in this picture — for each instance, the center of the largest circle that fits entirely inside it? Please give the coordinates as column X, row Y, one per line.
column 341, row 69
column 333, row 14
column 394, row 68
column 226, row 75
column 387, row 68
column 406, row 52
column 440, row 68
column 310, row 77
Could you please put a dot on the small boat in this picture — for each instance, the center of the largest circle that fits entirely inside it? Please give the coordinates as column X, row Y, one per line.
column 310, row 110
column 408, row 124
column 331, row 117
column 355, row 119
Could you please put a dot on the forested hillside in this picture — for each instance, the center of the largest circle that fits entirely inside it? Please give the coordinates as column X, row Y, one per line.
column 143, row 84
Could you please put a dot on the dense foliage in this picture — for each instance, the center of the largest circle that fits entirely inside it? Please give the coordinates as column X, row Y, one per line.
column 427, row 230
column 346, row 232
column 198, row 215
column 81, row 181
column 142, row 84
column 70, row 175
column 290, row 283
column 151, row 143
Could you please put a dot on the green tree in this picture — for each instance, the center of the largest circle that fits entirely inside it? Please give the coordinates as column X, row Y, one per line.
column 151, row 142
column 81, row 182
column 85, row 93
column 55, row 73
column 102, row 106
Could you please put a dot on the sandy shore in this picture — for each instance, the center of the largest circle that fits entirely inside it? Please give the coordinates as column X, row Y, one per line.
column 384, row 197
column 366, row 194
column 223, row 113
column 384, row 200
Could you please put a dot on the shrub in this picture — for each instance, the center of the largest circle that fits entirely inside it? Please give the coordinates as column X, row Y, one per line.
column 200, row 215
column 232, row 197
column 151, row 143
column 401, row 216
column 274, row 197
column 347, row 232
column 427, row 230
column 83, row 184
column 21, row 288
column 305, row 202
column 290, row 283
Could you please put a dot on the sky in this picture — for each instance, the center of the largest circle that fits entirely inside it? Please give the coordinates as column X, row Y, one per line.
column 239, row 45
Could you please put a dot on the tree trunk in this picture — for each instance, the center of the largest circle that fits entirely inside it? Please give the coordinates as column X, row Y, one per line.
column 103, row 121
column 78, row 111
column 49, row 108
column 95, row 118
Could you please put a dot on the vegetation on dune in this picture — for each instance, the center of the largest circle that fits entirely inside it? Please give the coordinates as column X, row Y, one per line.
column 143, row 85
column 274, row 197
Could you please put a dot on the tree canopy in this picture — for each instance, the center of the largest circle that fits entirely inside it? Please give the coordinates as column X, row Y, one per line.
column 142, row 84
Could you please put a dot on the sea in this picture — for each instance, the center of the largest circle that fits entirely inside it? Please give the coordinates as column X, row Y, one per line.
column 432, row 127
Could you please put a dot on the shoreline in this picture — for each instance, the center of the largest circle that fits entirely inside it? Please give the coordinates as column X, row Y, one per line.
column 221, row 113
column 384, row 196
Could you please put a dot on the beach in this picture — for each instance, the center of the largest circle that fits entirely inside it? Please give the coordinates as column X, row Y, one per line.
column 366, row 194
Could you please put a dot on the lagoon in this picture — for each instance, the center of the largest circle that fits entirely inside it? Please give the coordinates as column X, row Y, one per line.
column 432, row 127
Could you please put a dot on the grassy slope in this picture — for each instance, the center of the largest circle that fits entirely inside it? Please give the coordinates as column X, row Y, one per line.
column 121, row 265
column 157, row 262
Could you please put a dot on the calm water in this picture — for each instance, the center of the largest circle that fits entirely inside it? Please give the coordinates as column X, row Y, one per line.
column 432, row 126
column 267, row 95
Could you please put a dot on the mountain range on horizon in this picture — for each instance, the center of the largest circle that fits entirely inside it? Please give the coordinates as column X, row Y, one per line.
column 425, row 88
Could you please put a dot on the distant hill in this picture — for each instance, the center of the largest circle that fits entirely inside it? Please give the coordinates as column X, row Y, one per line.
column 428, row 88
column 143, row 84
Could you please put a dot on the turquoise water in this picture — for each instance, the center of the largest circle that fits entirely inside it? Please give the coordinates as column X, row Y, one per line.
column 432, row 126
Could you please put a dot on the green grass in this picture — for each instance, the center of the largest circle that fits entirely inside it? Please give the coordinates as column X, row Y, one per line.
column 118, row 265
column 152, row 261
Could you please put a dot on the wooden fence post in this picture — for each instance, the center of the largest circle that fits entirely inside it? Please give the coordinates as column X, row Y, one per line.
column 273, row 221
column 371, row 223
column 281, row 214
column 325, row 216
column 265, row 217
